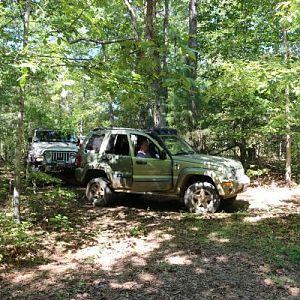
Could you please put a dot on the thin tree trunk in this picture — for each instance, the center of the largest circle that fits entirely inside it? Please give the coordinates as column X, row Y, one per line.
column 165, row 93
column 133, row 21
column 20, row 125
column 242, row 144
column 288, row 162
column 192, row 62
column 192, row 42
column 136, row 31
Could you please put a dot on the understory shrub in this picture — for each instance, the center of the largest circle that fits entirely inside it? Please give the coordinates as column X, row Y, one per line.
column 16, row 240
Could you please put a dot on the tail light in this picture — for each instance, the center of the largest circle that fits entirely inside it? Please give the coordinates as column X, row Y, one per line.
column 78, row 161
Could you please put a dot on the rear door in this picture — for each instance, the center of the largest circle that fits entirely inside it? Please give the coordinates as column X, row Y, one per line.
column 118, row 158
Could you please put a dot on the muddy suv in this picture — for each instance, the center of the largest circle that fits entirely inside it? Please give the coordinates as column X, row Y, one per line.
column 108, row 162
column 52, row 151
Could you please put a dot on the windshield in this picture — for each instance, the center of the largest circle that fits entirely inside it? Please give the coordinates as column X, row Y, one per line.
column 176, row 145
column 54, row 136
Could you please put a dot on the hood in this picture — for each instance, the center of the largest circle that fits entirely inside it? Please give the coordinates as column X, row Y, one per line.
column 40, row 147
column 209, row 160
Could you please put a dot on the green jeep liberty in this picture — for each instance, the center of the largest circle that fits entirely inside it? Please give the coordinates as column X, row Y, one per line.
column 108, row 162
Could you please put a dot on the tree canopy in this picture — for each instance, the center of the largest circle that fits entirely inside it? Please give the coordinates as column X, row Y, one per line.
column 227, row 67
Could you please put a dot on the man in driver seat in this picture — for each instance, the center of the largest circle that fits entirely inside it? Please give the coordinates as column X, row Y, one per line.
column 143, row 151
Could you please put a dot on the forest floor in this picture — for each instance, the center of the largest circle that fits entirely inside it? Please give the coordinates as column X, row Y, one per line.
column 143, row 249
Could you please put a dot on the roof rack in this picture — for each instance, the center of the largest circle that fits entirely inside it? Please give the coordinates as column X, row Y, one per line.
column 164, row 131
column 116, row 128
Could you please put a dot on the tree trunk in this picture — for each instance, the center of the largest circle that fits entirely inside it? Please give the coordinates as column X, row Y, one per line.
column 156, row 80
column 192, row 42
column 288, row 162
column 20, row 126
column 164, row 90
column 111, row 114
column 157, row 109
column 19, row 157
column 192, row 62
column 243, row 150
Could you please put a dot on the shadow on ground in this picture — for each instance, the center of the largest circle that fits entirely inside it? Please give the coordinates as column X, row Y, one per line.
column 145, row 248
column 164, row 203
column 233, row 207
column 140, row 254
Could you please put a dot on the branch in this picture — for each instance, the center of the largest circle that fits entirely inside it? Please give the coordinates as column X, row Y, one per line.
column 65, row 58
column 133, row 20
column 226, row 149
column 99, row 42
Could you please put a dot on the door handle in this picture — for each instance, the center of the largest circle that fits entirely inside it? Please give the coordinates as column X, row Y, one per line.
column 106, row 157
column 141, row 162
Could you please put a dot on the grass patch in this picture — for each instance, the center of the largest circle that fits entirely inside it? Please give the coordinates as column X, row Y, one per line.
column 45, row 210
column 17, row 241
column 276, row 239
column 54, row 205
column 138, row 231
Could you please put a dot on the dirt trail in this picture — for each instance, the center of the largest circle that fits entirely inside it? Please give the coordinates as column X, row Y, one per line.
column 140, row 249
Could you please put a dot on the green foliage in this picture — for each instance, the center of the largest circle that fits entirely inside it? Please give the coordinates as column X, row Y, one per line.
column 47, row 210
column 255, row 171
column 41, row 178
column 48, row 204
column 60, row 222
column 4, row 186
column 138, row 231
column 292, row 252
column 85, row 68
column 166, row 267
column 16, row 240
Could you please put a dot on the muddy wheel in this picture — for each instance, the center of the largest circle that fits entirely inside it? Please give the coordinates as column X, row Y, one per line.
column 201, row 198
column 98, row 192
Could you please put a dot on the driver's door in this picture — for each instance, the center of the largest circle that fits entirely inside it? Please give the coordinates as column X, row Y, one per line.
column 150, row 173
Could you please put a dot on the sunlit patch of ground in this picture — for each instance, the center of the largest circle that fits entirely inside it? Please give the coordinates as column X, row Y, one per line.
column 267, row 198
column 270, row 201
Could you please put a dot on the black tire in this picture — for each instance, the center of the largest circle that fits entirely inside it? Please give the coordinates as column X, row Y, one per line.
column 98, row 192
column 202, row 198
column 230, row 200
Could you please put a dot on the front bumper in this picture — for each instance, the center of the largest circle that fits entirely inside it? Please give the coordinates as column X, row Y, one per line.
column 231, row 188
column 53, row 167
column 58, row 167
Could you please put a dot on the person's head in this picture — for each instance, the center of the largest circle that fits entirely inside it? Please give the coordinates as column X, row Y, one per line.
column 144, row 146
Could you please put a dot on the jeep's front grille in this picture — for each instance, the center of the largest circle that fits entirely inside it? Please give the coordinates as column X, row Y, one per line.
column 59, row 156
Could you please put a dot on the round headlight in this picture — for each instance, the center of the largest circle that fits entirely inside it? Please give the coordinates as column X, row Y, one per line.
column 47, row 155
column 229, row 173
column 39, row 158
column 72, row 155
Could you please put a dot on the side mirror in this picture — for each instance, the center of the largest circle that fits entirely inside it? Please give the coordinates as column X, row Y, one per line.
column 163, row 155
column 105, row 156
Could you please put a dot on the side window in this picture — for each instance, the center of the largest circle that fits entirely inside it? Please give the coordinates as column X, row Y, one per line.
column 144, row 147
column 94, row 143
column 118, row 144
